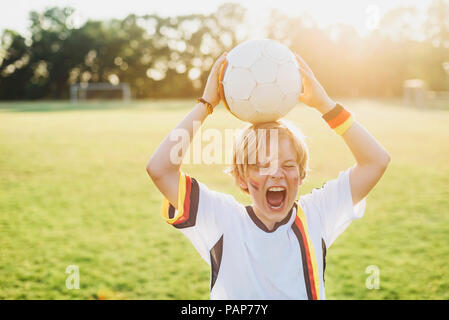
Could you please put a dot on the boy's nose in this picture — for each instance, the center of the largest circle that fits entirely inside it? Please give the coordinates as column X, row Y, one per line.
column 276, row 173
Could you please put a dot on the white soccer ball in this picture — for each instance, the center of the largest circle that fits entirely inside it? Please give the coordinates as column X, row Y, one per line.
column 260, row 81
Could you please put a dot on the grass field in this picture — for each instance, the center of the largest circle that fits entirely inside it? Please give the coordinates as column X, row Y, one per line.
column 74, row 191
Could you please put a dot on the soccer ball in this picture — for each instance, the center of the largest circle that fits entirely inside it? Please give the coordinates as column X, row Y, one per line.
column 260, row 81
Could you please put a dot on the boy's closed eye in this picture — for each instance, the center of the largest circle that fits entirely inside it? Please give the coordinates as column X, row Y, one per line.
column 290, row 164
column 266, row 165
column 260, row 165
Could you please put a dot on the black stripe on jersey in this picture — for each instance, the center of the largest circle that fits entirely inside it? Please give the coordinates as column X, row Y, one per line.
column 323, row 247
column 193, row 209
column 305, row 269
column 215, row 261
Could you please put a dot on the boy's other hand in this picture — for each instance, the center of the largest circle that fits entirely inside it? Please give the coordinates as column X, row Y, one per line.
column 211, row 94
column 313, row 94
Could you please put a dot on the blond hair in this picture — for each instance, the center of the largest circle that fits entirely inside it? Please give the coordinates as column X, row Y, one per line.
column 248, row 145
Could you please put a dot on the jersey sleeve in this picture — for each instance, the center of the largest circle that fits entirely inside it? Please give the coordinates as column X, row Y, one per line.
column 201, row 214
column 333, row 202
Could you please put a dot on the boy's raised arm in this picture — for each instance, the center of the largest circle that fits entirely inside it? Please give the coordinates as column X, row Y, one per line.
column 372, row 159
column 161, row 168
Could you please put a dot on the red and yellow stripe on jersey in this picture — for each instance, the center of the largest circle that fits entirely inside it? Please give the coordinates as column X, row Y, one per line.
column 339, row 119
column 188, row 192
column 309, row 261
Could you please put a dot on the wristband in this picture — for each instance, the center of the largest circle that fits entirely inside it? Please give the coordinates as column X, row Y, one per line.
column 209, row 107
column 339, row 119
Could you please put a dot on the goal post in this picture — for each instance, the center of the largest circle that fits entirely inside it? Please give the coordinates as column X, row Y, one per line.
column 82, row 91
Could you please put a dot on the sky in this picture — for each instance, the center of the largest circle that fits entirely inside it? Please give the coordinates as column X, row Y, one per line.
column 361, row 14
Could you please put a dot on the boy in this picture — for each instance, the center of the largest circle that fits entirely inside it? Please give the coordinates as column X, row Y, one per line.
column 274, row 249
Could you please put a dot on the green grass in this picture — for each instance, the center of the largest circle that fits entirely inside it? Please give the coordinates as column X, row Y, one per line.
column 74, row 191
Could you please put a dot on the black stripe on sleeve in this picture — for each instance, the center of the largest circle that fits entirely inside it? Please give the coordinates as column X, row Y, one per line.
column 171, row 211
column 193, row 209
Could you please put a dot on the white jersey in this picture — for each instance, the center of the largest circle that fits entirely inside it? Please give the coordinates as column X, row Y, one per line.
column 250, row 262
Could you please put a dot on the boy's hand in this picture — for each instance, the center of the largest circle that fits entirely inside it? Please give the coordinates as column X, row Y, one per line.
column 211, row 90
column 314, row 94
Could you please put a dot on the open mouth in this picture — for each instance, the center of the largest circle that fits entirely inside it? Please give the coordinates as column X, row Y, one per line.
column 276, row 197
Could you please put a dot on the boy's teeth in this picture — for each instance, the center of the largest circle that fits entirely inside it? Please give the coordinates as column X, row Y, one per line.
column 274, row 189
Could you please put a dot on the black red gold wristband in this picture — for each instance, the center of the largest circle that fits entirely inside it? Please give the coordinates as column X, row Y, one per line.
column 339, row 119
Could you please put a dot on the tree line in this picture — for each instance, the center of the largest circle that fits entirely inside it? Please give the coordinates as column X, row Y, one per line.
column 171, row 56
